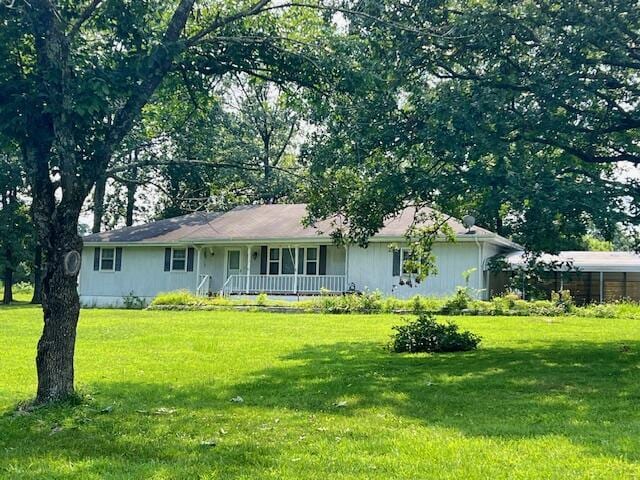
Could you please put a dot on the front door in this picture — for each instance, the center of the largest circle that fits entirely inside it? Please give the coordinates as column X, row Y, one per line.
column 233, row 262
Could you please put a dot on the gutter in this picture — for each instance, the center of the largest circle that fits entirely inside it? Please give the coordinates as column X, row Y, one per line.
column 311, row 240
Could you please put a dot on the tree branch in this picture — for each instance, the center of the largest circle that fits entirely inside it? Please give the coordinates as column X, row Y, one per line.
column 84, row 16
column 586, row 156
column 159, row 63
column 373, row 18
column 255, row 9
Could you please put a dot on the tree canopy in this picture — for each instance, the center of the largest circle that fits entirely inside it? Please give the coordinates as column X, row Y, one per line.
column 517, row 112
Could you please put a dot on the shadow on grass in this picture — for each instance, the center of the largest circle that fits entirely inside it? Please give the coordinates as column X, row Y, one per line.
column 60, row 442
column 585, row 392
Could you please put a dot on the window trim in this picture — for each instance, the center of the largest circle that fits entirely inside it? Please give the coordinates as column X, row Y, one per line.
column 186, row 254
column 113, row 259
column 272, row 261
column 316, row 261
column 227, row 271
column 281, row 253
column 232, row 251
column 404, row 273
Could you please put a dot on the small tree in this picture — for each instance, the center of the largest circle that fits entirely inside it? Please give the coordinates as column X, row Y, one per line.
column 15, row 223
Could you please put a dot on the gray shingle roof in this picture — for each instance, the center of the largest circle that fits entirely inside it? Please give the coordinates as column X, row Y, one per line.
column 255, row 222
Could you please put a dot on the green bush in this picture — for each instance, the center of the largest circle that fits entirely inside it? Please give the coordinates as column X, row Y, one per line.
column 133, row 302
column 627, row 309
column 373, row 302
column 262, row 299
column 564, row 300
column 597, row 311
column 393, row 304
column 511, row 304
column 177, row 297
column 370, row 302
column 326, row 304
column 367, row 302
column 427, row 335
column 505, row 303
column 459, row 302
column 545, row 308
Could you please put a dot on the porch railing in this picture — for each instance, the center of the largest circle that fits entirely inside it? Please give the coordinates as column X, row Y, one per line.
column 204, row 285
column 284, row 284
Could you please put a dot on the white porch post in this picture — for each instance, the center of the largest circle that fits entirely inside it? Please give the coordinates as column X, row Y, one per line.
column 197, row 269
column 346, row 268
column 601, row 287
column 248, row 267
column 295, row 271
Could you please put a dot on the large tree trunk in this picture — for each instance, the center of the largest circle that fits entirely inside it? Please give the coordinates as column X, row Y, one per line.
column 131, row 201
column 54, row 139
column 61, row 307
column 37, row 276
column 7, row 279
column 131, row 193
column 98, row 203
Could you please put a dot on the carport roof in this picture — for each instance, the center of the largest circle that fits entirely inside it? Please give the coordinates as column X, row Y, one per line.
column 587, row 261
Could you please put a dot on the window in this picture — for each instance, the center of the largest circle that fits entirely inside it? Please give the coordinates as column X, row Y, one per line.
column 288, row 260
column 234, row 261
column 282, row 261
column 107, row 259
column 312, row 261
column 405, row 255
column 179, row 259
column 274, row 261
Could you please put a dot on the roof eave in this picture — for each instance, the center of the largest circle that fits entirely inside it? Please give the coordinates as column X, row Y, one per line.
column 492, row 238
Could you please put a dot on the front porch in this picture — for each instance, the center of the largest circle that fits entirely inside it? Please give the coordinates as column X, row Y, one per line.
column 276, row 269
column 284, row 284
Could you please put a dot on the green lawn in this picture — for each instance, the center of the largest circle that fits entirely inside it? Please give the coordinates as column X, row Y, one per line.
column 542, row 398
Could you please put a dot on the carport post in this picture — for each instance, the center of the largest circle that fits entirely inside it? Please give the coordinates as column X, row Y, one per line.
column 601, row 287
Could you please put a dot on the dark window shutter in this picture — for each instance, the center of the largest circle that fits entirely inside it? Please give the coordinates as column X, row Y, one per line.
column 263, row 260
column 96, row 258
column 190, row 254
column 300, row 261
column 167, row 259
column 396, row 263
column 118, row 259
column 322, row 268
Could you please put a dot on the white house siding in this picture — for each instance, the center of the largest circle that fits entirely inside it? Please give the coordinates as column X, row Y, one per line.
column 142, row 275
column 214, row 261
column 372, row 268
column 143, row 272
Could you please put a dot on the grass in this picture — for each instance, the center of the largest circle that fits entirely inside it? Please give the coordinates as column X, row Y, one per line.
column 22, row 293
column 542, row 398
